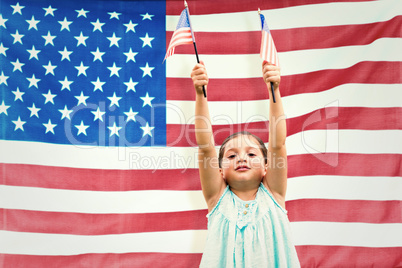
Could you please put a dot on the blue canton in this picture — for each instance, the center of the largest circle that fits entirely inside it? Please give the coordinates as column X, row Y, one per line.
column 83, row 72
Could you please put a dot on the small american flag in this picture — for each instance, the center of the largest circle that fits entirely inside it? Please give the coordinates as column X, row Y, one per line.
column 268, row 49
column 182, row 35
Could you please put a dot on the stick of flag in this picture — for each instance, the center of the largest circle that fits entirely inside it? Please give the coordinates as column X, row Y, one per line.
column 268, row 50
column 183, row 35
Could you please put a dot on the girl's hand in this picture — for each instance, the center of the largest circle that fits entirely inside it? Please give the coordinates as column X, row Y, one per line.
column 200, row 77
column 271, row 73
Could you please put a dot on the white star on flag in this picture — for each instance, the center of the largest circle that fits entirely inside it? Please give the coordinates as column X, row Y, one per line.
column 146, row 16
column 81, row 39
column 147, row 130
column 82, row 129
column 49, row 68
column 98, row 84
column 18, row 94
column 114, row 100
column 82, row 99
column 65, row 54
column 65, row 113
column 114, row 130
column 130, row 85
column 32, row 23
column 17, row 37
column 114, row 14
column 98, row 114
column 65, row 24
column 49, row 97
column 130, row 55
column 66, row 84
column 97, row 25
column 17, row 8
column 33, row 81
column 114, row 70
column 147, row 100
column 33, row 53
column 147, row 40
column 3, row 21
column 131, row 115
column 147, row 70
column 3, row 108
column 49, row 11
column 3, row 78
column 17, row 65
column 82, row 12
column 81, row 69
column 130, row 26
column 49, row 126
column 34, row 110
column 3, row 49
column 49, row 38
column 114, row 40
column 98, row 55
column 19, row 124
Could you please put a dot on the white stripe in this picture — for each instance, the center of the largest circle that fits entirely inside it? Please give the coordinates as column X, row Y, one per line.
column 264, row 44
column 236, row 112
column 294, row 17
column 41, row 199
column 106, row 202
column 292, row 62
column 151, row 158
column 344, row 187
column 347, row 234
column 188, row 241
column 193, row 241
column 180, row 41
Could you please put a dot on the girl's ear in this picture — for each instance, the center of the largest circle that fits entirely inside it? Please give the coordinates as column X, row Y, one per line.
column 221, row 171
column 265, row 169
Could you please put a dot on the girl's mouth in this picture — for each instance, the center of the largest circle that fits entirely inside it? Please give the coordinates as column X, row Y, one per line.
column 242, row 168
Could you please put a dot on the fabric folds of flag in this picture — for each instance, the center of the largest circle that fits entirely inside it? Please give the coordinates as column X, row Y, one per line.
column 268, row 50
column 182, row 35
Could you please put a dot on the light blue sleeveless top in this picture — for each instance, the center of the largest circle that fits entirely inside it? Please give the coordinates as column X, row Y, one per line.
column 249, row 233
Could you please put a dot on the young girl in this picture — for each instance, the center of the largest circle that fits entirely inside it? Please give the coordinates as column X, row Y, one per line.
column 244, row 187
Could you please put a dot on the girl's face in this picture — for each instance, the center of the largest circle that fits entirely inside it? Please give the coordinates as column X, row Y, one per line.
column 243, row 161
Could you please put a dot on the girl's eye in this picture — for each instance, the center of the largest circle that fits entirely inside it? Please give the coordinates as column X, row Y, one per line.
column 251, row 155
column 231, row 156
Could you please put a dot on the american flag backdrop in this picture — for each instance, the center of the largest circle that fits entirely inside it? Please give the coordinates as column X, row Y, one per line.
column 97, row 146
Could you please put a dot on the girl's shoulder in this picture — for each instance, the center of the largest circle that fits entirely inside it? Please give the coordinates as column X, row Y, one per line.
column 266, row 192
column 220, row 200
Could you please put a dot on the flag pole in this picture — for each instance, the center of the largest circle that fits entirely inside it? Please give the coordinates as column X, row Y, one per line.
column 272, row 85
column 195, row 46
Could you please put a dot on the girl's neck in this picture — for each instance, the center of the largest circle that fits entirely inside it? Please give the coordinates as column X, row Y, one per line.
column 245, row 194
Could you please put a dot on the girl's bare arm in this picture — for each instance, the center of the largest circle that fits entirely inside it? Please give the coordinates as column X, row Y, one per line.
column 211, row 180
column 276, row 177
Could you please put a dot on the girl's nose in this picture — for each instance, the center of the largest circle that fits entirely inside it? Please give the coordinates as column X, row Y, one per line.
column 242, row 158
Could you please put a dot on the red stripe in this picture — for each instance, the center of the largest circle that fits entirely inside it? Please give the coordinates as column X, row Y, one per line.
column 331, row 210
column 388, row 165
column 132, row 260
column 304, row 38
column 99, row 179
column 357, row 257
column 117, row 180
column 100, row 224
column 255, row 89
column 325, row 118
column 211, row 6
column 309, row 256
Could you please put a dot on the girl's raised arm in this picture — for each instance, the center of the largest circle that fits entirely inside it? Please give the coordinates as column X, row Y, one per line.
column 211, row 180
column 276, row 177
